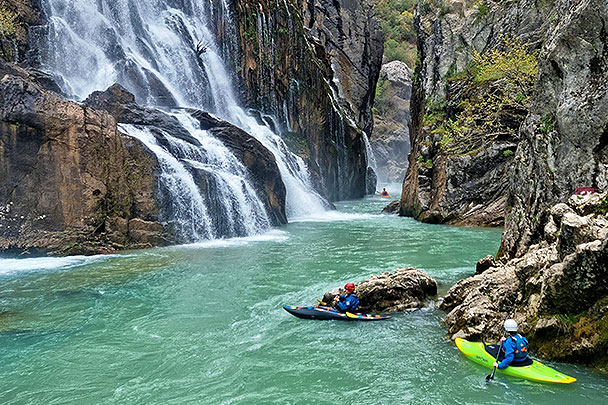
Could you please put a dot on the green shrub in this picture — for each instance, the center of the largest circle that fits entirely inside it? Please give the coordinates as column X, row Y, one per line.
column 496, row 83
column 507, row 153
column 512, row 61
column 8, row 31
column 482, row 10
column 382, row 101
column 546, row 124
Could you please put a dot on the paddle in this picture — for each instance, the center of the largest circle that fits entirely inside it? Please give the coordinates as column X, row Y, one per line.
column 490, row 377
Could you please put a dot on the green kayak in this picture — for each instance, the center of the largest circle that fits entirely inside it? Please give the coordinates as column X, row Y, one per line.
column 537, row 371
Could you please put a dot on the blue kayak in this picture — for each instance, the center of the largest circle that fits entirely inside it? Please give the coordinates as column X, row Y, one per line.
column 328, row 313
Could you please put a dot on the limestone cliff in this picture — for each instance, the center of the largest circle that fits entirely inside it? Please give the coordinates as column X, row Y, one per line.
column 551, row 274
column 472, row 90
column 390, row 140
column 314, row 65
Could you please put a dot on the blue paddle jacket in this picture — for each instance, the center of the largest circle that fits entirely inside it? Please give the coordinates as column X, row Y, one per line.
column 348, row 302
column 515, row 348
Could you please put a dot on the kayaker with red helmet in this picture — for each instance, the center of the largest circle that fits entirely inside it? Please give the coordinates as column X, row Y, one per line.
column 514, row 347
column 347, row 302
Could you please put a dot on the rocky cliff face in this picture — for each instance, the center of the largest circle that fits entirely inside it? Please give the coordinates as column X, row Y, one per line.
column 551, row 276
column 472, row 92
column 557, row 291
column 65, row 170
column 314, row 65
column 564, row 139
column 73, row 183
column 391, row 137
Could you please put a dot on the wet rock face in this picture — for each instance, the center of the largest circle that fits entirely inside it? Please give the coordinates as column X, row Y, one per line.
column 405, row 289
column 391, row 137
column 314, row 65
column 258, row 160
column 557, row 291
column 65, row 170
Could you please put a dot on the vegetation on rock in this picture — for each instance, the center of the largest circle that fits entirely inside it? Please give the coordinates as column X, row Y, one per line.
column 8, row 32
column 494, row 90
column 396, row 18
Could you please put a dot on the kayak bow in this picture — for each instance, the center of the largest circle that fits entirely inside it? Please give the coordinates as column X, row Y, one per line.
column 537, row 371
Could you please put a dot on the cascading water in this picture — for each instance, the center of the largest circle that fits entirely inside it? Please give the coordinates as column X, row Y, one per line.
column 165, row 53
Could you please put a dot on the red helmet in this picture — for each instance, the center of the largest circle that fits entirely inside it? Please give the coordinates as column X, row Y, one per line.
column 349, row 287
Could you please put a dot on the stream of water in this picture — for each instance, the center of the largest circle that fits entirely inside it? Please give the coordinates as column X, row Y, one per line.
column 203, row 323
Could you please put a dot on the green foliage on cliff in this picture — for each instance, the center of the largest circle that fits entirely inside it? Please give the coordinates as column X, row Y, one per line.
column 396, row 18
column 497, row 86
column 8, row 31
column 512, row 62
column 482, row 10
column 250, row 34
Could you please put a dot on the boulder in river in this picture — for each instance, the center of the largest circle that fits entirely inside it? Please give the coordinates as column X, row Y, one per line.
column 405, row 289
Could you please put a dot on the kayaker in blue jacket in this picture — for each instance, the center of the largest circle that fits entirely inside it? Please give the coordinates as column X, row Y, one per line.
column 514, row 346
column 348, row 302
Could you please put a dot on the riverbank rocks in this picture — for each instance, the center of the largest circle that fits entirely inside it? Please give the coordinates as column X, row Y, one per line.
column 557, row 291
column 405, row 289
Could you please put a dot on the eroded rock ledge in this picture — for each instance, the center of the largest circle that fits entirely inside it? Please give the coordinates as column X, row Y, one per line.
column 557, row 291
column 405, row 289
column 72, row 183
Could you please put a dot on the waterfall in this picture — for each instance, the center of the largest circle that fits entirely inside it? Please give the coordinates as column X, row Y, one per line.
column 371, row 159
column 166, row 54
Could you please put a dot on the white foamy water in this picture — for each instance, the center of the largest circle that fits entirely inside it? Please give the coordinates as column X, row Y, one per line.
column 333, row 216
column 37, row 264
column 271, row 236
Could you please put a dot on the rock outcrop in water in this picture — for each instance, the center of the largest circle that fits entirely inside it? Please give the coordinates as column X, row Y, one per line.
column 405, row 289
column 557, row 291
column 65, row 170
column 315, row 67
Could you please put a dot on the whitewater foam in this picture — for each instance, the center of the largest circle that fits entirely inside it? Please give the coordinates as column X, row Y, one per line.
column 274, row 235
column 37, row 264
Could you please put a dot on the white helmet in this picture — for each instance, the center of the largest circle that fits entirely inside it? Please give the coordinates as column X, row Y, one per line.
column 510, row 325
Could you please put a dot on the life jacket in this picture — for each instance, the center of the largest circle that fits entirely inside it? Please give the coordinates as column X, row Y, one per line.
column 348, row 302
column 521, row 347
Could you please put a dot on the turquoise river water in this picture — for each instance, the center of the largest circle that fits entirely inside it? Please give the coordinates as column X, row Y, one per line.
column 203, row 323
